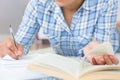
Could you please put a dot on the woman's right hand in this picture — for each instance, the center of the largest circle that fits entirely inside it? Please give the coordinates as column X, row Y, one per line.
column 7, row 47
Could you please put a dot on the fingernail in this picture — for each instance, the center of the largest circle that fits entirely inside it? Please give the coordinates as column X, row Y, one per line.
column 20, row 57
column 102, row 59
column 19, row 52
column 16, row 53
column 111, row 56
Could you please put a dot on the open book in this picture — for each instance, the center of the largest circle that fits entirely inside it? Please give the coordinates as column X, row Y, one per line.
column 72, row 69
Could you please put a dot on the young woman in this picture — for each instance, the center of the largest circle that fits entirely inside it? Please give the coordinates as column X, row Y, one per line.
column 73, row 27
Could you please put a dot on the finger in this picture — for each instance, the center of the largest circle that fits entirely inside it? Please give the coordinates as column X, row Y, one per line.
column 114, row 59
column 11, row 46
column 2, row 50
column 20, row 57
column 118, row 24
column 94, row 61
column 107, row 60
column 12, row 49
column 10, row 53
column 100, row 60
column 20, row 49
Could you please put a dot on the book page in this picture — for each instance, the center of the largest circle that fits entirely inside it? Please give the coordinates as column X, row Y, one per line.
column 9, row 63
column 104, row 48
column 97, row 68
column 69, row 65
column 17, row 69
column 65, row 64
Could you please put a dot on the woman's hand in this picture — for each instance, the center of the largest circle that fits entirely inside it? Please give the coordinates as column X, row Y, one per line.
column 8, row 47
column 99, row 60
column 104, row 59
column 118, row 24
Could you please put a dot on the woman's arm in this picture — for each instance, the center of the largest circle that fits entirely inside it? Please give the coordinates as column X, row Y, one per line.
column 29, row 26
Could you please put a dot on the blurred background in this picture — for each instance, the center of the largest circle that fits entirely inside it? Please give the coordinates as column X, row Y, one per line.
column 11, row 12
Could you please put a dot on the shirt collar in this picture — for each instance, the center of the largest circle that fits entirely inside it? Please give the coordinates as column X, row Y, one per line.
column 53, row 7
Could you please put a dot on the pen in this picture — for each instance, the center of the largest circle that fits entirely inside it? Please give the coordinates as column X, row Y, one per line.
column 11, row 32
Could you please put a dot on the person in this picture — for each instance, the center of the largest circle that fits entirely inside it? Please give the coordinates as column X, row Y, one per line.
column 73, row 27
column 69, row 27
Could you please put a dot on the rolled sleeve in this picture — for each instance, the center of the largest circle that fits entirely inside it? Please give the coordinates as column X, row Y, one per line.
column 29, row 26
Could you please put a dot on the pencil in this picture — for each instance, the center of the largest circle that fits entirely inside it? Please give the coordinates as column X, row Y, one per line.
column 12, row 35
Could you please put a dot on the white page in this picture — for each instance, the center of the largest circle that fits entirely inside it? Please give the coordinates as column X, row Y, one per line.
column 68, row 65
column 7, row 57
column 17, row 69
column 104, row 48
column 9, row 63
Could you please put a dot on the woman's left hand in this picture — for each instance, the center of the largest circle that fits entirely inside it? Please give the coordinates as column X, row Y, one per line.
column 104, row 59
column 99, row 60
column 118, row 24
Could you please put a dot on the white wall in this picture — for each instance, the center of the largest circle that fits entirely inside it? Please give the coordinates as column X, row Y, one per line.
column 11, row 12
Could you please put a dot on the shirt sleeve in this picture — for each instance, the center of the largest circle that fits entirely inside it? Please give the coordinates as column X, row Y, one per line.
column 106, row 24
column 28, row 27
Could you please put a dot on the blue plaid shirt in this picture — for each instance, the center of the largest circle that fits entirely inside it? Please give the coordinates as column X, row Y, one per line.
column 94, row 20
